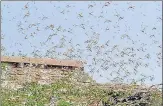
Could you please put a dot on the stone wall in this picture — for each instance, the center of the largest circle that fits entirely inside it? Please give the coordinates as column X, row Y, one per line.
column 15, row 77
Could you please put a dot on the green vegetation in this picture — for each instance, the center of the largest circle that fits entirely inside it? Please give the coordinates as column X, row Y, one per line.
column 66, row 94
column 63, row 103
column 4, row 66
column 72, row 90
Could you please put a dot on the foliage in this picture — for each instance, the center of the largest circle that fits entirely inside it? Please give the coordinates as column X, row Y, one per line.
column 4, row 66
column 63, row 103
column 66, row 94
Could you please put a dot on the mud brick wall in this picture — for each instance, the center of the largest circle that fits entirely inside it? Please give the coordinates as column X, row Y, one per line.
column 20, row 70
column 14, row 77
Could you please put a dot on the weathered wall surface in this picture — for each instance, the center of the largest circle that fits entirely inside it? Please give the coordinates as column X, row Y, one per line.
column 17, row 71
column 16, row 77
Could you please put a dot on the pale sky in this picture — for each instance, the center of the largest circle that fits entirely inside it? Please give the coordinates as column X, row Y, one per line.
column 79, row 21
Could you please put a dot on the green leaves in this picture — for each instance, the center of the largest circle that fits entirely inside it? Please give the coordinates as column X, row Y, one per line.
column 4, row 66
column 67, row 95
column 63, row 103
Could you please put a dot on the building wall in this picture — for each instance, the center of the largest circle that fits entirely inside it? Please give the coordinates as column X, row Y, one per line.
column 14, row 76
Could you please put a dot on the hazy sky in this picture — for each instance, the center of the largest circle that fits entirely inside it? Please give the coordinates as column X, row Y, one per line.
column 25, row 29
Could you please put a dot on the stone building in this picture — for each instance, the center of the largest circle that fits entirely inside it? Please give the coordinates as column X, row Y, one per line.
column 17, row 71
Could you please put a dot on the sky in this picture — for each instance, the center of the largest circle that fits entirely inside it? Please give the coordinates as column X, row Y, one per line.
column 40, row 26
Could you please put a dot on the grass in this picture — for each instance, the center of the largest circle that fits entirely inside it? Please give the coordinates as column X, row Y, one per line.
column 67, row 93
